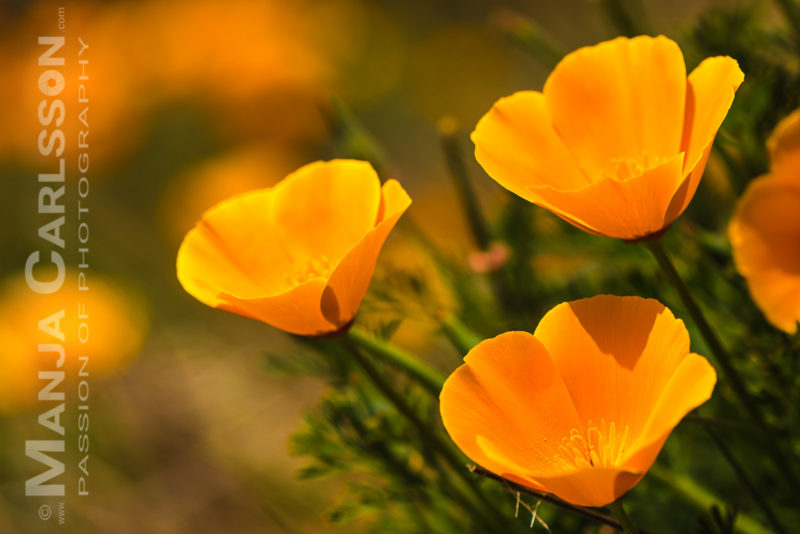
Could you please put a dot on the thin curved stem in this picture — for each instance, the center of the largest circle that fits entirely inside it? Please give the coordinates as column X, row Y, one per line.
column 722, row 424
column 429, row 434
column 587, row 513
column 739, row 469
column 404, row 361
column 459, row 334
column 700, row 497
column 449, row 132
column 723, row 358
column 622, row 516
column 530, row 36
column 619, row 14
column 428, row 377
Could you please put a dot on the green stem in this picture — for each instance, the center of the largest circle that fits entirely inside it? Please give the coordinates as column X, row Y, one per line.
column 448, row 130
column 530, row 36
column 735, row 168
column 742, row 475
column 723, row 424
column 701, row 498
column 792, row 14
column 429, row 434
column 398, row 358
column 624, row 521
column 351, row 135
column 406, row 362
column 382, row 452
column 584, row 512
column 723, row 358
column 618, row 13
column 459, row 334
column 385, row 453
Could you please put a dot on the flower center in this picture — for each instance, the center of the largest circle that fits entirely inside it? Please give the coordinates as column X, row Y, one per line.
column 627, row 168
column 601, row 446
column 308, row 268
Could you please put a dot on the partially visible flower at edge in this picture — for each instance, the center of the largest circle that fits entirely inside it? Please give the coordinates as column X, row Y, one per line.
column 298, row 256
column 765, row 230
column 582, row 407
column 617, row 141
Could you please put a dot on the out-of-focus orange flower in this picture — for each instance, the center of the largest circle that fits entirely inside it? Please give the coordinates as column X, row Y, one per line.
column 260, row 70
column 110, row 334
column 617, row 141
column 261, row 66
column 582, row 407
column 248, row 46
column 113, row 105
column 765, row 230
column 298, row 256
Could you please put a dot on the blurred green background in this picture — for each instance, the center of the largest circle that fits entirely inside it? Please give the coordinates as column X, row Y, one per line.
column 192, row 409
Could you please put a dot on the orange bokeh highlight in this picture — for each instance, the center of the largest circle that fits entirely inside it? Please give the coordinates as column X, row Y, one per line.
column 116, row 324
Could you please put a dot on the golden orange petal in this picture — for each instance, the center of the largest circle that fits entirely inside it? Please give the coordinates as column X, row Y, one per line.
column 269, row 254
column 616, row 355
column 324, row 208
column 507, row 407
column 765, row 234
column 350, row 279
column 690, row 386
column 784, row 147
column 619, row 99
column 688, row 187
column 628, row 209
column 505, row 466
column 297, row 311
column 517, row 146
column 234, row 249
column 592, row 486
column 710, row 91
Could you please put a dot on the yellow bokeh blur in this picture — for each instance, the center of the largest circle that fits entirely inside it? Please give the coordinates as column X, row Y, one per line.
column 106, row 323
column 253, row 59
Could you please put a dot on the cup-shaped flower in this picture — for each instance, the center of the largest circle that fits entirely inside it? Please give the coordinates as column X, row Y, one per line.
column 582, row 407
column 765, row 230
column 618, row 139
column 298, row 256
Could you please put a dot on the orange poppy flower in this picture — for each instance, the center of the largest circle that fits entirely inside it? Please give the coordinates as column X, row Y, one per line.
column 298, row 256
column 582, row 407
column 765, row 230
column 618, row 139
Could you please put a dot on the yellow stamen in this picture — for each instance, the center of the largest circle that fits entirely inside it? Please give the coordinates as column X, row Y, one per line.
column 600, row 446
column 308, row 268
